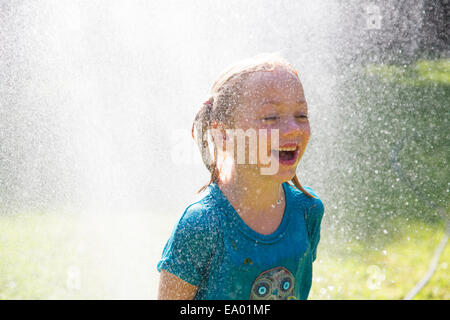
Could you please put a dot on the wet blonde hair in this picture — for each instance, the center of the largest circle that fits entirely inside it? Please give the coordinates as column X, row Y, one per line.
column 224, row 96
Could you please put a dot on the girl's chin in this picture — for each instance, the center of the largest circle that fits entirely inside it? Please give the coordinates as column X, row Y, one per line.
column 283, row 174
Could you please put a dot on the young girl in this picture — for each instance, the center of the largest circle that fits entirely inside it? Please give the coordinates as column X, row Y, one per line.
column 251, row 235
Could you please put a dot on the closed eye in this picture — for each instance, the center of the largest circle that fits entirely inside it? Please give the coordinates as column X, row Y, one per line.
column 271, row 118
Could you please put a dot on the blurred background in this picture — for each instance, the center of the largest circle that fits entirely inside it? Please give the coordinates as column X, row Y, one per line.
column 97, row 164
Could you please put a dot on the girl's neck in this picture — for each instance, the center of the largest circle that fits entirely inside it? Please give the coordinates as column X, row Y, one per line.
column 252, row 194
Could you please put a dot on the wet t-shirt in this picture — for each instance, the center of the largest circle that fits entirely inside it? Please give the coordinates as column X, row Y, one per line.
column 212, row 248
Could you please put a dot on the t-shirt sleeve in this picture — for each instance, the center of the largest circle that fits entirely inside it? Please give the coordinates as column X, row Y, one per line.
column 314, row 220
column 190, row 246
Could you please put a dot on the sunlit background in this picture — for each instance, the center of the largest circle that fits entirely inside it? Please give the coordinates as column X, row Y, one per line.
column 97, row 100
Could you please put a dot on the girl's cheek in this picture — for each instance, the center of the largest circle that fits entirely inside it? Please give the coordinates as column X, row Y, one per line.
column 306, row 130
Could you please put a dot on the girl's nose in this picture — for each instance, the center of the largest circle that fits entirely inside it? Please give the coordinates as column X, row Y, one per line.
column 290, row 127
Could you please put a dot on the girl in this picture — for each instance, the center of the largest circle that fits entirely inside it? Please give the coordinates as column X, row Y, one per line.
column 251, row 235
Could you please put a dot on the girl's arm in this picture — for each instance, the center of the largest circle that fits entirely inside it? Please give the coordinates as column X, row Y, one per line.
column 173, row 288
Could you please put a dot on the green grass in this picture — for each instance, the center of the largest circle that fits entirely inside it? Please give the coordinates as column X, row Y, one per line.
column 360, row 271
column 70, row 256
column 423, row 72
column 40, row 258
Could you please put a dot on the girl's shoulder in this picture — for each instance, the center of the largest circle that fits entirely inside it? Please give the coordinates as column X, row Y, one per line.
column 314, row 204
column 199, row 215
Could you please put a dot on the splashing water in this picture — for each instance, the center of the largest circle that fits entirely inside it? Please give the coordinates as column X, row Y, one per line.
column 97, row 99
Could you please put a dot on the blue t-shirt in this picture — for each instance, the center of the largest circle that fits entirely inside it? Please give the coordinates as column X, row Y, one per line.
column 212, row 248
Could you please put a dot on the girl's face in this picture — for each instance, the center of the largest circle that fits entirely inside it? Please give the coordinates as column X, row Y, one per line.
column 275, row 100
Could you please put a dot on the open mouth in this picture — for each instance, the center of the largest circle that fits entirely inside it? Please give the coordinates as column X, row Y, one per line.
column 287, row 155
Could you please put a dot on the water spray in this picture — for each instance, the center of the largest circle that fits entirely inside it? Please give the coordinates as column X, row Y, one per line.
column 396, row 165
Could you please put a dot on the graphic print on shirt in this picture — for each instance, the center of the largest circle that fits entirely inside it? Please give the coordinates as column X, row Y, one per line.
column 273, row 284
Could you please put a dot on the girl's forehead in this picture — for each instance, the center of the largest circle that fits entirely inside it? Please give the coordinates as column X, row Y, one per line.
column 278, row 84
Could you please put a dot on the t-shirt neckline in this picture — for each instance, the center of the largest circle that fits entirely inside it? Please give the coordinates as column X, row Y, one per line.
column 234, row 217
